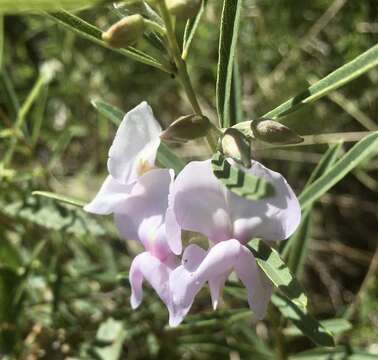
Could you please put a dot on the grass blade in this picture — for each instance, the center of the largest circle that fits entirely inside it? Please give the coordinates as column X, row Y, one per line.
column 334, row 80
column 347, row 163
column 295, row 248
column 227, row 45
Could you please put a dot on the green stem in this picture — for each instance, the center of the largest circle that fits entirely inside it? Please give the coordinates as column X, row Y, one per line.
column 180, row 63
column 183, row 72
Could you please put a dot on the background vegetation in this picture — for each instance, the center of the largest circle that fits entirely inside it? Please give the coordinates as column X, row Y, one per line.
column 63, row 274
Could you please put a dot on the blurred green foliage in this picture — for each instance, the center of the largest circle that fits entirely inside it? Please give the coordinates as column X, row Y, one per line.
column 63, row 275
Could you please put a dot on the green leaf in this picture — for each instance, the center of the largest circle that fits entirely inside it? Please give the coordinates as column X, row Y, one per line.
column 112, row 113
column 227, row 45
column 239, row 182
column 334, row 326
column 61, row 198
column 309, row 326
column 92, row 33
column 334, row 80
column 332, row 176
column 1, row 41
column 53, row 216
column 110, row 337
column 16, row 6
column 165, row 156
column 277, row 271
column 23, row 112
column 338, row 353
column 295, row 248
column 190, row 30
column 236, row 109
column 327, row 161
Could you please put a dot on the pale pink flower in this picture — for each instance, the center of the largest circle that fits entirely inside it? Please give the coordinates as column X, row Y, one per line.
column 199, row 202
column 137, row 194
column 131, row 155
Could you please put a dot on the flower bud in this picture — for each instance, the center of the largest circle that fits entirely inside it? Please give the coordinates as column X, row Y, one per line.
column 188, row 127
column 125, row 32
column 183, row 9
column 236, row 146
column 273, row 132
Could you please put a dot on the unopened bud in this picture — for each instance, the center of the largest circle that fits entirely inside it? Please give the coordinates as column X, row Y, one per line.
column 236, row 146
column 188, row 127
column 183, row 9
column 125, row 32
column 275, row 133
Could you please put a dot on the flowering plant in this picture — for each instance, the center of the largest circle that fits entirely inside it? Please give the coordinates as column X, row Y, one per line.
column 195, row 216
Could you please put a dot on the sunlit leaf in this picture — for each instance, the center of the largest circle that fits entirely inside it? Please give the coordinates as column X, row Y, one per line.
column 278, row 272
column 333, row 175
column 227, row 46
column 341, row 76
column 295, row 248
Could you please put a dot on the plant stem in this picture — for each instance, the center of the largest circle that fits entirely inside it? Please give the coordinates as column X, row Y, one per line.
column 182, row 69
column 180, row 63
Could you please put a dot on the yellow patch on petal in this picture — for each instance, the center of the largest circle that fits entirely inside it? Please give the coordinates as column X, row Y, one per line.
column 143, row 167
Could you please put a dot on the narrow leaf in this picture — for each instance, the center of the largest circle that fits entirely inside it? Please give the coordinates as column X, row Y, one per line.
column 334, row 326
column 295, row 248
column 334, row 80
column 92, row 33
column 16, row 6
column 349, row 161
column 309, row 326
column 112, row 113
column 338, row 353
column 61, row 198
column 277, row 271
column 167, row 158
column 227, row 45
column 190, row 30
column 1, row 41
column 239, row 182
column 236, row 108
column 53, row 216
